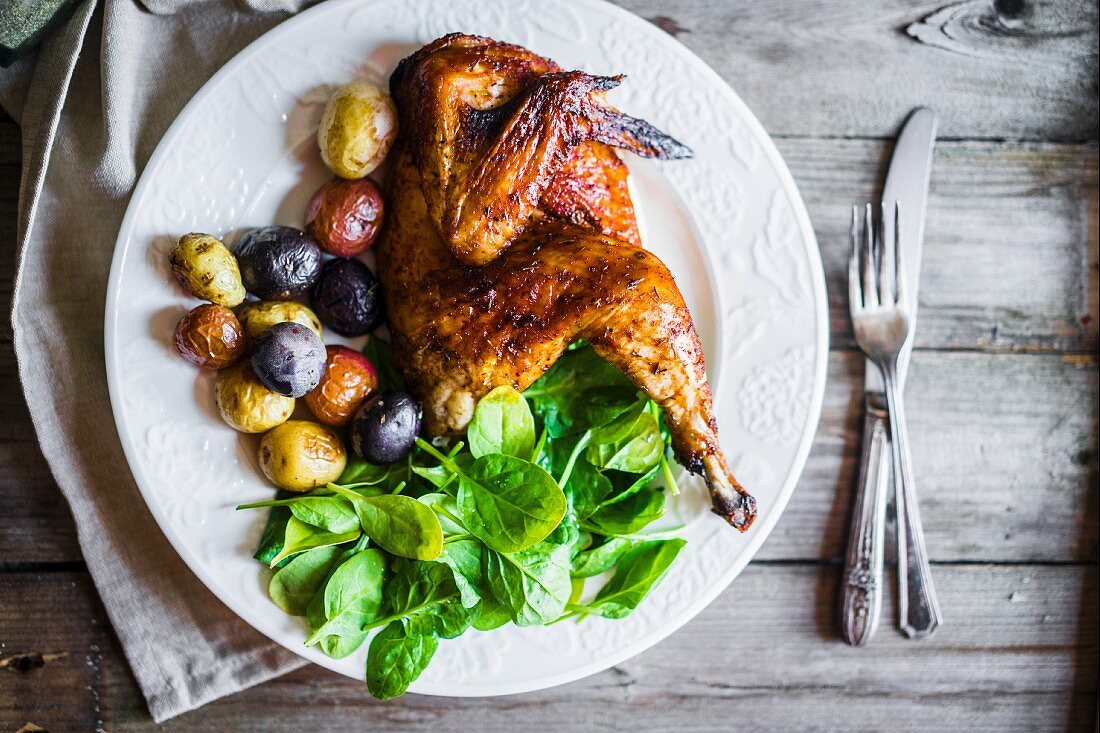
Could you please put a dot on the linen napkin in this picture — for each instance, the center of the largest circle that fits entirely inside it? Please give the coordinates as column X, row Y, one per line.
column 93, row 102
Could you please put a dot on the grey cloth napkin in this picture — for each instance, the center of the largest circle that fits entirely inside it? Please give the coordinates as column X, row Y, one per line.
column 93, row 103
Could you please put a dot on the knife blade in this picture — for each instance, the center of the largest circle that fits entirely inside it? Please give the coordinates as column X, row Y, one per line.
column 907, row 182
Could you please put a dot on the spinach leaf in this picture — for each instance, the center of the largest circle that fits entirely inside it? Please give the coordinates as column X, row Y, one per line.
column 631, row 443
column 380, row 354
column 271, row 539
column 600, row 559
column 294, row 585
column 446, row 511
column 509, row 503
column 490, row 614
column 398, row 524
column 330, row 513
column 300, row 537
column 362, row 472
column 636, row 575
column 533, row 584
column 396, row 658
column 351, row 599
column 440, row 476
column 417, row 594
column 448, row 620
column 580, row 391
column 463, row 557
column 629, row 515
column 637, row 484
column 588, row 487
column 502, row 423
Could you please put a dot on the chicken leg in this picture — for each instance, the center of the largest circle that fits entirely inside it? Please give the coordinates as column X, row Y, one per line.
column 488, row 275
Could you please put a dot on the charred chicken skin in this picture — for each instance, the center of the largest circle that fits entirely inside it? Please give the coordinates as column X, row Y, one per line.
column 511, row 234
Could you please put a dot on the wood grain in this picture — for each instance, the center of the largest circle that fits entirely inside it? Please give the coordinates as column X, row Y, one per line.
column 1004, row 660
column 852, row 68
column 1007, row 235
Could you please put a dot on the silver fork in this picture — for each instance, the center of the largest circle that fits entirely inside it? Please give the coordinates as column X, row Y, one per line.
column 881, row 321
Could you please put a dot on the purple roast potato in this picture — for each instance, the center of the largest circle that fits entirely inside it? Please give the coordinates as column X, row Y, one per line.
column 289, row 359
column 384, row 429
column 278, row 262
column 348, row 297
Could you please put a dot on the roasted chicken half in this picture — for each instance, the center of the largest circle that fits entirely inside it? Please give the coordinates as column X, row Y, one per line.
column 511, row 234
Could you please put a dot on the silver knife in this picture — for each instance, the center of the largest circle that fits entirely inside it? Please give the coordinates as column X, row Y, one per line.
column 907, row 183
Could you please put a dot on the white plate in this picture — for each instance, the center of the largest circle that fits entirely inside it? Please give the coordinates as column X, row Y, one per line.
column 729, row 223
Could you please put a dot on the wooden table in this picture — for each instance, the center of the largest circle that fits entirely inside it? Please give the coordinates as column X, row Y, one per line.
column 1003, row 409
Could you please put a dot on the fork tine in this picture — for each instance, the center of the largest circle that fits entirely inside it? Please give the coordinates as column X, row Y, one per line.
column 899, row 279
column 855, row 294
column 870, row 292
column 885, row 259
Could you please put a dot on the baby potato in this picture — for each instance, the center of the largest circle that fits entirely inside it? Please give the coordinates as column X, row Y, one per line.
column 207, row 269
column 348, row 381
column 357, row 129
column 261, row 315
column 210, row 337
column 300, row 455
column 246, row 404
column 345, row 217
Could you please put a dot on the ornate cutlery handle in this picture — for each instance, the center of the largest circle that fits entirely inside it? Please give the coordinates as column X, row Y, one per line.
column 918, row 610
column 862, row 581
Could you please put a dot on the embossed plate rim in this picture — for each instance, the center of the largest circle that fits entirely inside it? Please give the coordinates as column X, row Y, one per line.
column 757, row 535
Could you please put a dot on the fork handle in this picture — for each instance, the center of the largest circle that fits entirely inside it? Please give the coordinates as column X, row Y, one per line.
column 861, row 587
column 918, row 610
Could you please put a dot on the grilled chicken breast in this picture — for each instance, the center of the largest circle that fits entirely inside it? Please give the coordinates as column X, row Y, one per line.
column 510, row 234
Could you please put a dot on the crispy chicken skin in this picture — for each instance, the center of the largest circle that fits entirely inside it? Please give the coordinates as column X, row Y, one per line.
column 510, row 234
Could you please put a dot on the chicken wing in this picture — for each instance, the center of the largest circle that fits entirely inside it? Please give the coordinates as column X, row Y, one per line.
column 510, row 234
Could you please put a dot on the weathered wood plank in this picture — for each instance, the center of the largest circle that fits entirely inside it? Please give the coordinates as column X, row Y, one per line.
column 1016, row 70
column 1004, row 455
column 1010, row 228
column 1010, row 656
column 1004, row 449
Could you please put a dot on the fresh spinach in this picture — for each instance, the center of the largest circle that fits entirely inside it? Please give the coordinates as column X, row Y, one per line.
column 395, row 658
column 330, row 513
column 271, row 539
column 629, row 515
column 351, row 599
column 635, row 576
column 631, row 443
column 446, row 511
column 509, row 503
column 502, row 423
column 533, row 584
column 398, row 524
column 463, row 557
column 295, row 584
column 300, row 537
column 637, row 483
column 602, row 558
column 588, row 487
column 360, row 472
column 580, row 391
column 417, row 594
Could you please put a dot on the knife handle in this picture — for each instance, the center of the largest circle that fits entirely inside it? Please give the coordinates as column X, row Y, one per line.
column 918, row 609
column 862, row 586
